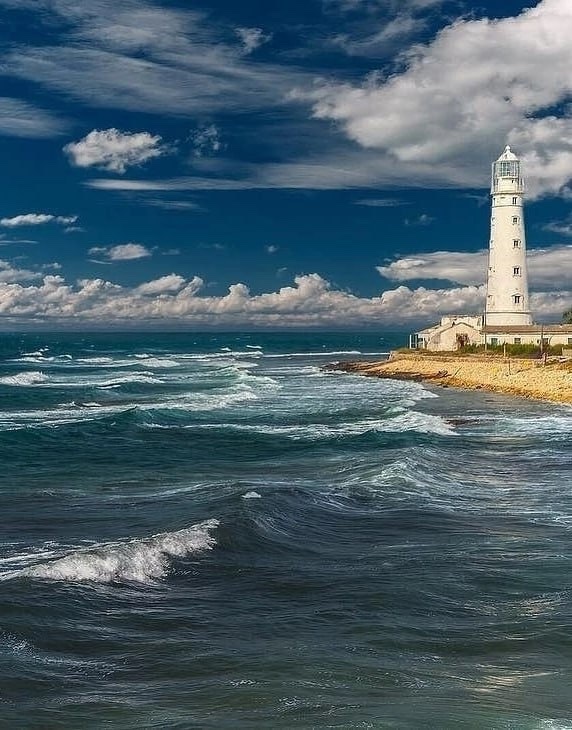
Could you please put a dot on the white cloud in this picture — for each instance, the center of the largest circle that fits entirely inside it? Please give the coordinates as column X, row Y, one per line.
column 310, row 302
column 137, row 56
column 164, row 285
column 547, row 267
column 180, row 205
column 206, row 140
column 563, row 228
column 10, row 273
column 460, row 97
column 381, row 202
column 252, row 38
column 121, row 252
column 423, row 220
column 37, row 219
column 272, row 248
column 20, row 119
column 115, row 151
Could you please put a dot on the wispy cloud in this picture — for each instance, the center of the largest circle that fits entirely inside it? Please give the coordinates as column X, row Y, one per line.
column 206, row 140
column 423, row 220
column 563, row 228
column 140, row 57
column 184, row 206
column 381, row 202
column 252, row 38
column 21, row 119
column 37, row 219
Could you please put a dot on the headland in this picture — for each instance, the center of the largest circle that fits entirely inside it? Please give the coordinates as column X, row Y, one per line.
column 530, row 378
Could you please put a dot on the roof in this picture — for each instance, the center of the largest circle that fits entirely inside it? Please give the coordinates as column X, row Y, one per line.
column 508, row 154
column 530, row 329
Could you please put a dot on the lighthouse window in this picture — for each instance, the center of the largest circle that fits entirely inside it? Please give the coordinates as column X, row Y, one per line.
column 517, row 341
column 514, row 201
column 516, row 243
column 515, row 219
column 570, row 340
column 516, row 271
column 516, row 298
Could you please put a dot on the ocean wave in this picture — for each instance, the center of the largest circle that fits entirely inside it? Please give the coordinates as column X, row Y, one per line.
column 535, row 425
column 410, row 421
column 143, row 560
column 65, row 415
column 159, row 362
column 28, row 378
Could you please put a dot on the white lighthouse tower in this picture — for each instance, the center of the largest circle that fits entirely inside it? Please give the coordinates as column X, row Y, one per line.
column 507, row 283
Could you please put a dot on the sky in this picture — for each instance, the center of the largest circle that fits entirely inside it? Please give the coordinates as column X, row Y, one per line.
column 314, row 164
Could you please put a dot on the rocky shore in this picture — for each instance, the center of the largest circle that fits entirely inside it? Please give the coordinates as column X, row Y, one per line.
column 529, row 378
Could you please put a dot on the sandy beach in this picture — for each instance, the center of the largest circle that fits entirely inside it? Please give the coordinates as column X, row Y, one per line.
column 529, row 378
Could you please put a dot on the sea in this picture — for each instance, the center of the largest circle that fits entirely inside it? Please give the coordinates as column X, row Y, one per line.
column 211, row 531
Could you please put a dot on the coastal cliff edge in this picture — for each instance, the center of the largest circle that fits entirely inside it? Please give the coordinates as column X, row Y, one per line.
column 530, row 378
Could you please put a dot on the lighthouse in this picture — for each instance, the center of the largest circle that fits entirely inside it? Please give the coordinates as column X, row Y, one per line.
column 507, row 302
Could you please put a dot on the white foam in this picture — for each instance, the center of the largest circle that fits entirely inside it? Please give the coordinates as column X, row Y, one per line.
column 252, row 495
column 401, row 423
column 326, row 353
column 159, row 362
column 141, row 560
column 32, row 377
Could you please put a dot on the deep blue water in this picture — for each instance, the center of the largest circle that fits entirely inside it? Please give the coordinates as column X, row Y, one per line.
column 206, row 531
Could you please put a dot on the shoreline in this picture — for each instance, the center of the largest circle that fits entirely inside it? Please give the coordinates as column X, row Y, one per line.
column 527, row 378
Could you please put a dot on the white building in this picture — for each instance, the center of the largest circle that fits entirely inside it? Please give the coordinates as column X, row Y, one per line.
column 507, row 317
column 507, row 281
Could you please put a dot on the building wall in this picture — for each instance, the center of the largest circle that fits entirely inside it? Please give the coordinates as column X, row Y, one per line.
column 507, row 291
column 449, row 337
column 555, row 340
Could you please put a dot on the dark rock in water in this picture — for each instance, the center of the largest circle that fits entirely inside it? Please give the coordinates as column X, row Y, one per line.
column 458, row 421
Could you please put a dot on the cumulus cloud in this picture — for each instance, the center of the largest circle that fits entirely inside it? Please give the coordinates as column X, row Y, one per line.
column 547, row 267
column 163, row 285
column 252, row 38
column 479, row 83
column 37, row 219
column 114, row 151
column 310, row 302
column 121, row 252
column 11, row 273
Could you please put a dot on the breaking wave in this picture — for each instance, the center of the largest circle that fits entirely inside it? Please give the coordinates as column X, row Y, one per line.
column 34, row 377
column 137, row 561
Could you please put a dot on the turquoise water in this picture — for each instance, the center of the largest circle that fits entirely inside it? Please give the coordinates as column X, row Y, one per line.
column 206, row 531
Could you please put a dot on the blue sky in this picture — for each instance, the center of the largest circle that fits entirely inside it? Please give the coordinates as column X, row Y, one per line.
column 310, row 163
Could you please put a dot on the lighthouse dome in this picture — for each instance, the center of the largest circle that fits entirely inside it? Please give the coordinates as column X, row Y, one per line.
column 508, row 154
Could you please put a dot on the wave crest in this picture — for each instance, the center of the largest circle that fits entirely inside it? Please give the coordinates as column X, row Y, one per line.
column 33, row 377
column 137, row 561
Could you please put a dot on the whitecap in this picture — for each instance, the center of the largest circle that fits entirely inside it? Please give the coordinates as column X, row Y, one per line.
column 252, row 495
column 32, row 377
column 157, row 362
column 142, row 560
column 401, row 423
